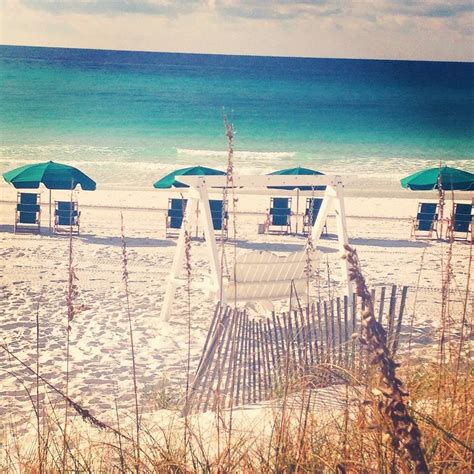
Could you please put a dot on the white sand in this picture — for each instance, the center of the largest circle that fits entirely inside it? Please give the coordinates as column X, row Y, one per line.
column 34, row 272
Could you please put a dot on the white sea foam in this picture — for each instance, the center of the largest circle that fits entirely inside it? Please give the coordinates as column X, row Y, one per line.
column 122, row 166
column 261, row 155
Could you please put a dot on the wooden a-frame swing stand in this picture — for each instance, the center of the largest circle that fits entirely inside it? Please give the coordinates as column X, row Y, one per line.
column 198, row 194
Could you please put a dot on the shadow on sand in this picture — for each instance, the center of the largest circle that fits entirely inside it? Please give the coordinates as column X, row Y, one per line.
column 388, row 243
column 9, row 228
column 278, row 246
column 132, row 242
column 6, row 228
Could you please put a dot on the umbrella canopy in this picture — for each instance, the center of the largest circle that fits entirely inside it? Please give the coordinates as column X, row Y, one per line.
column 52, row 175
column 451, row 179
column 170, row 180
column 298, row 171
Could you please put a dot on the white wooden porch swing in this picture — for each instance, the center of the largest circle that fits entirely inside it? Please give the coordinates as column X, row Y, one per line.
column 259, row 275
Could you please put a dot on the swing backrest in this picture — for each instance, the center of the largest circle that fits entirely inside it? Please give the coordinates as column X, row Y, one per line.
column 267, row 276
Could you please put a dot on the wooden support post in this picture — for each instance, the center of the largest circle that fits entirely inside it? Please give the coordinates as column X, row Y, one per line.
column 269, row 330
column 391, row 315
column 398, row 328
column 234, row 356
column 290, row 336
column 381, row 304
column 309, row 336
column 216, row 281
column 246, row 385
column 333, row 332
column 267, row 354
column 284, row 350
column 279, row 338
column 259, row 359
column 339, row 330
column 254, row 362
column 353, row 310
column 209, row 334
column 177, row 265
column 317, row 344
column 248, row 381
column 346, row 331
column 200, row 380
column 322, row 334
column 214, row 354
column 343, row 240
column 226, row 339
column 241, row 355
column 296, row 338
column 327, row 333
column 326, row 206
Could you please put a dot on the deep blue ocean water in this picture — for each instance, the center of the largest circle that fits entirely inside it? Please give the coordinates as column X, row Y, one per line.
column 163, row 109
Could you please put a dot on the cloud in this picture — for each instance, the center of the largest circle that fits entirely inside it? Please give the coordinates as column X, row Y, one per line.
column 260, row 9
column 342, row 9
column 402, row 29
column 114, row 7
column 430, row 8
column 256, row 9
column 277, row 9
column 445, row 11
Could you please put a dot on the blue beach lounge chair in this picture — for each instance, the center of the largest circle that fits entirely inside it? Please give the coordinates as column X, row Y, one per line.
column 313, row 206
column 175, row 216
column 219, row 219
column 280, row 215
column 426, row 220
column 27, row 213
column 462, row 220
column 66, row 217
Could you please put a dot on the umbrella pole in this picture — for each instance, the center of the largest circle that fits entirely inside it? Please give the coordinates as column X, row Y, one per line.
column 50, row 210
column 441, row 203
column 197, row 219
column 297, row 208
column 441, row 200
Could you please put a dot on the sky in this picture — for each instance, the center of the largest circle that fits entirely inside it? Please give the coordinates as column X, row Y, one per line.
column 385, row 29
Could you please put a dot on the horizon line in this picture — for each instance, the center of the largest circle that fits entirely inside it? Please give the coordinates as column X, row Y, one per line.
column 238, row 54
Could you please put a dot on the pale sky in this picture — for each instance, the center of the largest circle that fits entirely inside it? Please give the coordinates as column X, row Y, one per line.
column 391, row 29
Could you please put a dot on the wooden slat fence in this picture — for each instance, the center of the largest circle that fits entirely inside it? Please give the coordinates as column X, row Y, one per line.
column 248, row 360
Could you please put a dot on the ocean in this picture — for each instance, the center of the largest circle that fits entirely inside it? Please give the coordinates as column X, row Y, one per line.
column 128, row 117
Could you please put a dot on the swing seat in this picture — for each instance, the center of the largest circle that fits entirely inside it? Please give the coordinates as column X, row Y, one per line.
column 265, row 276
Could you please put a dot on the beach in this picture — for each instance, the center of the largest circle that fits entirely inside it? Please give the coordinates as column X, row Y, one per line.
column 35, row 273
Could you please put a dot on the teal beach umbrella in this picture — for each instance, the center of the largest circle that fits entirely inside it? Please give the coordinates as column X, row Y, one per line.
column 298, row 171
column 52, row 175
column 444, row 178
column 171, row 180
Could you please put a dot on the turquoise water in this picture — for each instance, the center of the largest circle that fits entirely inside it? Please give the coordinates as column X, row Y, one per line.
column 155, row 111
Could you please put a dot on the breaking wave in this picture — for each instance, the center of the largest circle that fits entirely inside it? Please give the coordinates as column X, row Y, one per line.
column 261, row 155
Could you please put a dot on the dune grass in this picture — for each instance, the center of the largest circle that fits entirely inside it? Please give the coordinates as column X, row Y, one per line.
column 404, row 417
